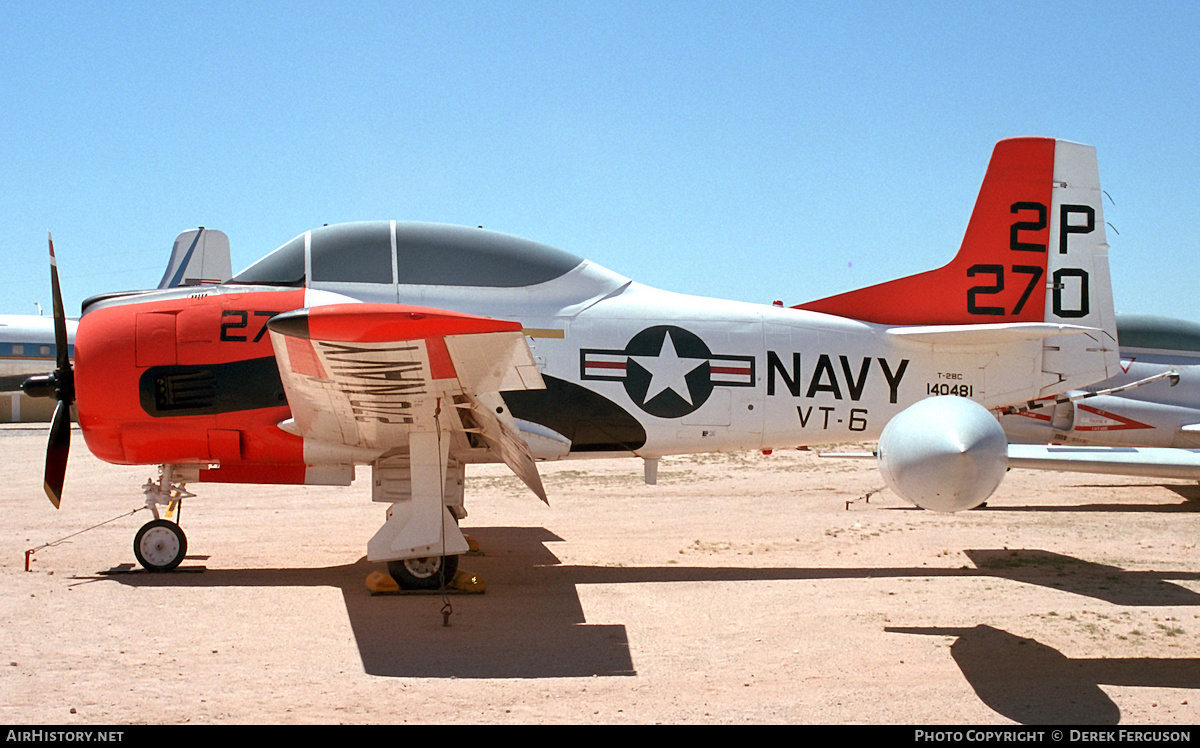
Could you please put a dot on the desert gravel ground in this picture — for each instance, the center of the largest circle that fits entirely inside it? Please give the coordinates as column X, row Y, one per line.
column 741, row 589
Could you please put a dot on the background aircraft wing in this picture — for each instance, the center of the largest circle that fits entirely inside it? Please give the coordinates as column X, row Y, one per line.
column 369, row 375
column 1151, row 462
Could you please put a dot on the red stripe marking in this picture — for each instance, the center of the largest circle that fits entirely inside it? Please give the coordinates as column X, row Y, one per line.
column 1034, row 416
column 440, row 364
column 303, row 358
column 1123, row 423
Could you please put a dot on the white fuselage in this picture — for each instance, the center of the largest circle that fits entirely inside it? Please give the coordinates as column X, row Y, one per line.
column 702, row 374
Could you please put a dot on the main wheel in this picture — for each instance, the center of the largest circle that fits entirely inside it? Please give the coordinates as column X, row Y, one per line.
column 160, row 545
column 423, row 573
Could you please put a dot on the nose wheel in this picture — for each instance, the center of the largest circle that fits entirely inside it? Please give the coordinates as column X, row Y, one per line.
column 160, row 545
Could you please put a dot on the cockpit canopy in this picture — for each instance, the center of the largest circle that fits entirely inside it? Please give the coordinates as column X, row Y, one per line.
column 425, row 254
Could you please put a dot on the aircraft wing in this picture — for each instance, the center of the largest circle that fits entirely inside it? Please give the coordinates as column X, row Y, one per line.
column 1151, row 462
column 367, row 376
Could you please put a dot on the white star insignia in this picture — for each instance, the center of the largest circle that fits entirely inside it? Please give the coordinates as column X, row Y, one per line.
column 668, row 371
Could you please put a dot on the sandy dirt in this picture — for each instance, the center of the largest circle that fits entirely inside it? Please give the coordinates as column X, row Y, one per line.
column 741, row 589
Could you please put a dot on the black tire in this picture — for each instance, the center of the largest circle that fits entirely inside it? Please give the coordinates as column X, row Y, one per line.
column 160, row 545
column 423, row 573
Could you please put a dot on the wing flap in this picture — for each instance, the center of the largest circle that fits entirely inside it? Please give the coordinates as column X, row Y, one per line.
column 368, row 375
column 497, row 428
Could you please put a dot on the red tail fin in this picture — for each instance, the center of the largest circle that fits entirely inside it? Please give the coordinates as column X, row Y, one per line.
column 999, row 273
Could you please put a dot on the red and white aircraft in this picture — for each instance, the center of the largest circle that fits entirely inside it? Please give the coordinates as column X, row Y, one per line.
column 418, row 349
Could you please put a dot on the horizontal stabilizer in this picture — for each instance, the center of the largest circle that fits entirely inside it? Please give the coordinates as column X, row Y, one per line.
column 989, row 335
column 1030, row 278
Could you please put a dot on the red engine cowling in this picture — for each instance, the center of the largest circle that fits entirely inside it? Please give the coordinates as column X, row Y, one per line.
column 188, row 380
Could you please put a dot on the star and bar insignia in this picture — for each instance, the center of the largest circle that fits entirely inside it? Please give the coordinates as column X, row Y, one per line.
column 667, row 371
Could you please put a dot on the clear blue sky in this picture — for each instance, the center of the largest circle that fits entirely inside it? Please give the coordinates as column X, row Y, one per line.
column 747, row 150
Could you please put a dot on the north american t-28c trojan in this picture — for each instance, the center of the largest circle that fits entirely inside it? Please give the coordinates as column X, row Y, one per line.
column 418, row 349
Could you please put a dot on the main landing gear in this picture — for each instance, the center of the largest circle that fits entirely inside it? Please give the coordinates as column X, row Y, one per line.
column 160, row 544
column 429, row 573
column 420, row 541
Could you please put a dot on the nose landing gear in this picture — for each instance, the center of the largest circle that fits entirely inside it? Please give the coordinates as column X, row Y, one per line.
column 160, row 544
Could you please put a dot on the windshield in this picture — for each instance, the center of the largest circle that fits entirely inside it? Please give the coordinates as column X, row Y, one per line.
column 283, row 267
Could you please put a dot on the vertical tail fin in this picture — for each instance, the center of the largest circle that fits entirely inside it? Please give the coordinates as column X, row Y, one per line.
column 1034, row 251
column 1034, row 256
column 199, row 257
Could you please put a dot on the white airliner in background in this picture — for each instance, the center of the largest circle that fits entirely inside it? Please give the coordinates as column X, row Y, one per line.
column 198, row 257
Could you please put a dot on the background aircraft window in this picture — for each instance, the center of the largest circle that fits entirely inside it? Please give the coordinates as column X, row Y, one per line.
column 283, row 267
column 353, row 253
column 429, row 254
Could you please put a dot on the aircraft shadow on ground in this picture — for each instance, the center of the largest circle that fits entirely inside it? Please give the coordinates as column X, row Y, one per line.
column 530, row 623
column 1189, row 491
column 1031, row 683
column 1184, row 507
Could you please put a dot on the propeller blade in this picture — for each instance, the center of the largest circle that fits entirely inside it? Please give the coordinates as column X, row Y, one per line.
column 60, row 316
column 57, row 449
column 63, row 379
